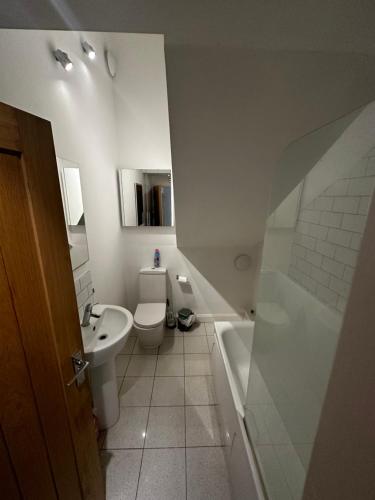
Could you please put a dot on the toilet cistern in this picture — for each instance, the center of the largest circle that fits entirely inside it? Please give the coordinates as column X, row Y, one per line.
column 149, row 317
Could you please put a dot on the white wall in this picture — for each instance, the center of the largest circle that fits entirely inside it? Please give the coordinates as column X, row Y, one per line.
column 330, row 228
column 141, row 101
column 141, row 104
column 232, row 112
column 80, row 107
column 101, row 127
column 303, row 154
column 354, row 143
column 321, row 249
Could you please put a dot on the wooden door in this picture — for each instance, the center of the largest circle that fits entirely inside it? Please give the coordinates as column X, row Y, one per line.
column 37, row 268
column 23, row 449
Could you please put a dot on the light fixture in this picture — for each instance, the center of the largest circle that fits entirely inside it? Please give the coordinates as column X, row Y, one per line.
column 111, row 63
column 63, row 59
column 88, row 50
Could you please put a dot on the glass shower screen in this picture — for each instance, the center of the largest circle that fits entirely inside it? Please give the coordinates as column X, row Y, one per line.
column 318, row 214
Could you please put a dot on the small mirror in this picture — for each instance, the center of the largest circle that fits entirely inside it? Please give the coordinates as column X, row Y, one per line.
column 70, row 183
column 146, row 197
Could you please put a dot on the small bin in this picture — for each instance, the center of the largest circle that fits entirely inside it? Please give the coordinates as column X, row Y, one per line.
column 186, row 319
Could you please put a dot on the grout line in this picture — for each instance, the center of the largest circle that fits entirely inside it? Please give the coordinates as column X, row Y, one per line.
column 149, row 406
column 144, row 441
column 169, row 406
column 183, row 346
column 120, row 386
column 168, row 376
column 179, row 447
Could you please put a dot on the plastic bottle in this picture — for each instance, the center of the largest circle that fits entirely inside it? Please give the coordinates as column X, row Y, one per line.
column 157, row 258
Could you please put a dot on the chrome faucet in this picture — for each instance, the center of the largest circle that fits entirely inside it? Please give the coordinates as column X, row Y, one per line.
column 88, row 314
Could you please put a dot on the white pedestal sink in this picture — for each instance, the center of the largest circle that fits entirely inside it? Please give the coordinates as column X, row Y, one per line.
column 103, row 339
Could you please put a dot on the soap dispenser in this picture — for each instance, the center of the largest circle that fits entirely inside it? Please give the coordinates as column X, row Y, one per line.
column 157, row 258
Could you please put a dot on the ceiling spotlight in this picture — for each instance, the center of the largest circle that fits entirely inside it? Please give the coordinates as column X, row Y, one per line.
column 88, row 50
column 63, row 59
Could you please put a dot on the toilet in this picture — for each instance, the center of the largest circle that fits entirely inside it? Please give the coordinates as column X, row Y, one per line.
column 149, row 317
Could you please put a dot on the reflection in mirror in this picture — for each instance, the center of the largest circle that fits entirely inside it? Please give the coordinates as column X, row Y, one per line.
column 74, row 212
column 319, row 205
column 146, row 197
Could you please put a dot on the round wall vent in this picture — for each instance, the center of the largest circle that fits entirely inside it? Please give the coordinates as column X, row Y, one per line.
column 242, row 262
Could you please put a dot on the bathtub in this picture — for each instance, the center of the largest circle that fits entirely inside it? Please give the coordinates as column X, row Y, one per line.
column 235, row 340
column 309, row 331
column 230, row 362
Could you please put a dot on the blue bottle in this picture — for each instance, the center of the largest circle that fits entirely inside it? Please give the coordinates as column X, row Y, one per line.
column 157, row 258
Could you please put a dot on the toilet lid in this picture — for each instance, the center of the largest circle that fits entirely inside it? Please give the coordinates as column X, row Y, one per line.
column 149, row 315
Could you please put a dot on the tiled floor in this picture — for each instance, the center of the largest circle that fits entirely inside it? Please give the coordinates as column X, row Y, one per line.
column 166, row 444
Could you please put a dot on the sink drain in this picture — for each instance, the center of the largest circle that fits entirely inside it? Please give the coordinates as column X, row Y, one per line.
column 103, row 337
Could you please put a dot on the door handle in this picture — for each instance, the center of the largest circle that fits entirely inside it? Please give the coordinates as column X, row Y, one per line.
column 79, row 367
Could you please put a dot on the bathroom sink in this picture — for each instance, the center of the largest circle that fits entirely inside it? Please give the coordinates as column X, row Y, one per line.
column 105, row 337
column 102, row 340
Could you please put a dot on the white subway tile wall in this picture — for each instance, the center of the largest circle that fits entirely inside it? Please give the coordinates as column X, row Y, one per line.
column 328, row 235
column 84, row 291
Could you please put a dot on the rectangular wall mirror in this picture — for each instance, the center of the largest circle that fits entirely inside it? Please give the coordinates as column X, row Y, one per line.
column 70, row 183
column 146, row 197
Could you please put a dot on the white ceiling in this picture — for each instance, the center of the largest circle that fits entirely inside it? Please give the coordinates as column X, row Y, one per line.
column 312, row 25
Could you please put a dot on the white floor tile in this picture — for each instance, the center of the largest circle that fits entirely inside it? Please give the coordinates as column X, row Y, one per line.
column 118, row 485
column 170, row 365
column 207, row 477
column 196, row 330
column 199, row 390
column 141, row 366
column 138, row 349
column 210, row 328
column 197, row 364
column 136, row 391
column 129, row 346
column 210, row 341
column 202, row 426
column 166, row 427
column 168, row 391
column 122, row 362
column 172, row 345
column 163, row 475
column 196, row 345
column 173, row 332
column 119, row 382
column 129, row 431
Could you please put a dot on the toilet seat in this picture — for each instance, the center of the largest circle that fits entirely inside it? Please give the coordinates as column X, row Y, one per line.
column 150, row 315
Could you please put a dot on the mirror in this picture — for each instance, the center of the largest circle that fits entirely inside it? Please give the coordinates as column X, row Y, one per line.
column 70, row 183
column 146, row 197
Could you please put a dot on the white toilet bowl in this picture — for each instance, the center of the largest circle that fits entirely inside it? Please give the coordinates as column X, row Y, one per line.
column 149, row 322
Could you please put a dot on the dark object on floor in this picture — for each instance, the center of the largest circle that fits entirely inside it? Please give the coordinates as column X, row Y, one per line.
column 186, row 319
